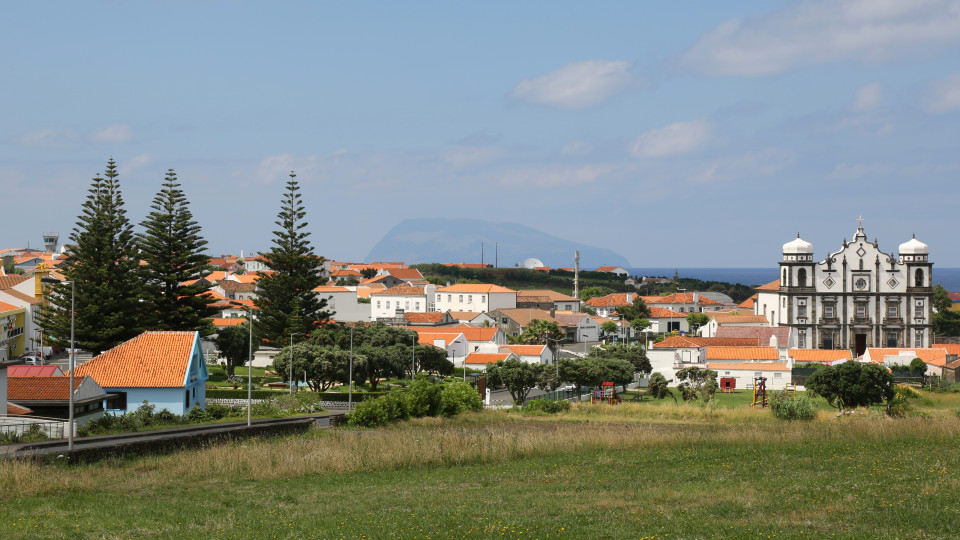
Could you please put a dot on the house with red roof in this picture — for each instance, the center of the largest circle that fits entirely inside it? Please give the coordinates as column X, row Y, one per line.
column 605, row 306
column 480, row 360
column 531, row 354
column 480, row 297
column 732, row 319
column 165, row 369
column 547, row 299
column 934, row 357
column 403, row 297
column 613, row 270
column 49, row 397
column 686, row 302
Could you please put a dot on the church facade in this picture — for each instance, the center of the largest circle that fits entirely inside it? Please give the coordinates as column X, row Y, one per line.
column 857, row 297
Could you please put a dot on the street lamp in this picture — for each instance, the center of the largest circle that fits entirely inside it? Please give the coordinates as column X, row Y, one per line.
column 250, row 368
column 72, row 353
column 291, row 359
column 350, row 389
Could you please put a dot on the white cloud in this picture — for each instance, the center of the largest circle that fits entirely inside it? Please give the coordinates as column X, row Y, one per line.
column 117, row 133
column 274, row 168
column 944, row 95
column 48, row 137
column 546, row 176
column 575, row 86
column 464, row 156
column 868, row 97
column 137, row 161
column 678, row 138
column 821, row 31
column 750, row 164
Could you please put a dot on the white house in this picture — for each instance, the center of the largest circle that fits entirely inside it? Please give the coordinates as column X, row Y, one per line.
column 343, row 303
column 385, row 303
column 778, row 374
column 477, row 298
column 531, row 354
column 734, row 319
column 456, row 345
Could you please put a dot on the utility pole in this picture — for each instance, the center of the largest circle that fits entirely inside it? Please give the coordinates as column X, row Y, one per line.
column 576, row 274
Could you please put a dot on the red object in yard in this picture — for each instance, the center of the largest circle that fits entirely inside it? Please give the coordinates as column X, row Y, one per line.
column 728, row 384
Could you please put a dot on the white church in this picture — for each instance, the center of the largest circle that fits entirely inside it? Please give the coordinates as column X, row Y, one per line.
column 857, row 297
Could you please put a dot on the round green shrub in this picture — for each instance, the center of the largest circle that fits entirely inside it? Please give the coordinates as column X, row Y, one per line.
column 371, row 413
column 786, row 408
column 423, row 398
column 547, row 406
column 458, row 397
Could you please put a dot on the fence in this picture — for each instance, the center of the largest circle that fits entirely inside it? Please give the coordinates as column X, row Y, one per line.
column 558, row 394
column 24, row 425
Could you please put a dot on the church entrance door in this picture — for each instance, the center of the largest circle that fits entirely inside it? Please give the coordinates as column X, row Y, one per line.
column 861, row 344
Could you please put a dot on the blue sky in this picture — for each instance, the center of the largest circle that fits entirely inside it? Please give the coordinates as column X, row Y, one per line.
column 678, row 134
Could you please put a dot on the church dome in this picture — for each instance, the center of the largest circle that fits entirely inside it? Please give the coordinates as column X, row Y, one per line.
column 798, row 246
column 914, row 247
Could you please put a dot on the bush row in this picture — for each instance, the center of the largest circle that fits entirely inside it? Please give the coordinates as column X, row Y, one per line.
column 785, row 407
column 269, row 394
column 546, row 406
column 424, row 398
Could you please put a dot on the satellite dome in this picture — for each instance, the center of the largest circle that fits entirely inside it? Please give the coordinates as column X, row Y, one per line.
column 532, row 263
column 798, row 246
column 914, row 247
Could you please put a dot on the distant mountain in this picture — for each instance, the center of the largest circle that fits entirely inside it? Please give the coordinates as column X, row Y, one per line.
column 430, row 240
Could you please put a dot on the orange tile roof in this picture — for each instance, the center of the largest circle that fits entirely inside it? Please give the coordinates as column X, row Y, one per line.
column 772, row 286
column 737, row 318
column 819, row 355
column 950, row 347
column 685, row 298
column 404, row 273
column 424, row 317
column 463, row 315
column 485, row 358
column 933, row 357
column 695, row 342
column 472, row 333
column 524, row 350
column 741, row 353
column 231, row 321
column 748, row 303
column 150, row 360
column 428, row 338
column 748, row 366
column 476, row 288
column 606, row 268
column 553, row 296
column 40, row 388
column 10, row 280
column 657, row 312
column 24, row 297
column 346, row 273
column 7, row 307
column 216, row 276
column 402, row 290
column 248, row 278
column 329, row 289
column 612, row 300
column 16, row 410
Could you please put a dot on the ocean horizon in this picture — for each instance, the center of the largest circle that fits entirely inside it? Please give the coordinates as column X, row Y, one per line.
column 949, row 278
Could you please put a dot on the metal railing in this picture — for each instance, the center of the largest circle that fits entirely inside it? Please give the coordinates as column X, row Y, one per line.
column 25, row 425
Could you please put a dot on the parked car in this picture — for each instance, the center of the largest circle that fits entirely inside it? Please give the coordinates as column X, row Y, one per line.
column 33, row 360
column 38, row 354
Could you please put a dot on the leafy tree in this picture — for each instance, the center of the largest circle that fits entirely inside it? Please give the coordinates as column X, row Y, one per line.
column 233, row 342
column 918, row 365
column 945, row 321
column 941, row 299
column 697, row 383
column 368, row 273
column 587, row 309
column 657, row 387
column 696, row 320
column 594, row 292
column 436, row 280
column 458, row 397
column 295, row 273
column 540, row 332
column 324, row 366
column 578, row 372
column 852, row 384
column 608, row 327
column 637, row 310
column 102, row 264
column 519, row 377
column 635, row 354
column 433, row 359
column 172, row 248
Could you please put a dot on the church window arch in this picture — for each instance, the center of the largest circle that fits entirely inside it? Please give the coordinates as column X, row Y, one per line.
column 802, row 277
column 783, row 281
column 919, row 278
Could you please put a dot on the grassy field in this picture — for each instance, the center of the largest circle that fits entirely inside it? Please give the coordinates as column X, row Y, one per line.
column 637, row 470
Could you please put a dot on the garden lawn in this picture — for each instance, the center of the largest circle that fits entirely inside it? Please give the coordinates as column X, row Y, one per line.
column 498, row 474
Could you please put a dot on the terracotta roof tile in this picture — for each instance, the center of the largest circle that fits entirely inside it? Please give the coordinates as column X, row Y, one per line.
column 932, row 356
column 657, row 312
column 476, row 288
column 685, row 298
column 231, row 321
column 950, row 347
column 741, row 353
column 695, row 342
column 428, row 337
column 748, row 366
column 7, row 307
column 485, row 358
column 819, row 355
column 401, row 290
column 463, row 315
column 40, row 388
column 10, row 280
column 150, row 360
column 552, row 296
column 424, row 317
column 524, row 350
column 772, row 286
column 748, row 303
column 34, row 371
column 404, row 273
column 759, row 334
column 737, row 318
column 16, row 410
column 612, row 300
column 472, row 333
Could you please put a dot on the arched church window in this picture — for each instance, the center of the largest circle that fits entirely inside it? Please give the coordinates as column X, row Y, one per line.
column 802, row 277
column 919, row 278
column 784, row 281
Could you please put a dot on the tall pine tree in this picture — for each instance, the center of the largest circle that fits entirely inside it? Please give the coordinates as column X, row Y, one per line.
column 102, row 264
column 286, row 298
column 172, row 248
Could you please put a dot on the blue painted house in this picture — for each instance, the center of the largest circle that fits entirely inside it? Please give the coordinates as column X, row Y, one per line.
column 165, row 369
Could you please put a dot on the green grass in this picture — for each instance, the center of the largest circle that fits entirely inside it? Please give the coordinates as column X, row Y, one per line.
column 588, row 474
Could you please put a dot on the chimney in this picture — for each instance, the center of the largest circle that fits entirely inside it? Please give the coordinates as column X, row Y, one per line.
column 630, row 297
column 553, row 312
column 696, row 298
